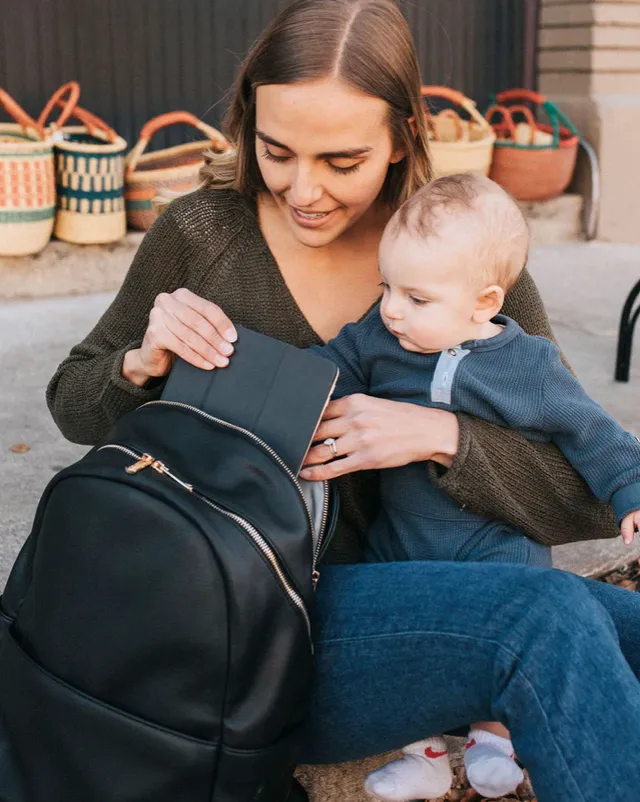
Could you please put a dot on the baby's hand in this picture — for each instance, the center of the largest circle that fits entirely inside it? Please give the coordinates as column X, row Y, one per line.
column 630, row 525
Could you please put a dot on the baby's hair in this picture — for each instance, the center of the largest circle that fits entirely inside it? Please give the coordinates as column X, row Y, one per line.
column 488, row 218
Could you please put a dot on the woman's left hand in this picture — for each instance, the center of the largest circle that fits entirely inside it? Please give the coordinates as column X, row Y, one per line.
column 373, row 433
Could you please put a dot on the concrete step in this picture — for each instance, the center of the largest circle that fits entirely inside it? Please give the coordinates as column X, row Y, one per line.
column 65, row 269
column 554, row 221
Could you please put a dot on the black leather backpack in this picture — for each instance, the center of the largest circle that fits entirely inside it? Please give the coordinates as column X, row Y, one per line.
column 156, row 627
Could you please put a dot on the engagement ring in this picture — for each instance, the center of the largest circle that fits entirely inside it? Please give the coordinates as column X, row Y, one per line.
column 330, row 441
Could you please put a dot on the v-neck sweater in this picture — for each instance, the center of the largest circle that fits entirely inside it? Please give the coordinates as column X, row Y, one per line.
column 210, row 242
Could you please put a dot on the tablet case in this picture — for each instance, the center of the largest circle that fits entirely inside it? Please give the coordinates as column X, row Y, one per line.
column 272, row 389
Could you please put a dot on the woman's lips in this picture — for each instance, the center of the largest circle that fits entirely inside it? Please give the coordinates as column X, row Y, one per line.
column 310, row 219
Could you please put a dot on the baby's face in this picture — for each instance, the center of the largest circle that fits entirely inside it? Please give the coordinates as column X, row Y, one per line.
column 429, row 298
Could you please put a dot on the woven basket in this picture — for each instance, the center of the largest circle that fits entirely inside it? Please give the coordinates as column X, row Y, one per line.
column 532, row 161
column 458, row 145
column 89, row 161
column 27, row 186
column 174, row 169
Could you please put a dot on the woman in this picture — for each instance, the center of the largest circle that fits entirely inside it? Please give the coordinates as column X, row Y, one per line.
column 330, row 138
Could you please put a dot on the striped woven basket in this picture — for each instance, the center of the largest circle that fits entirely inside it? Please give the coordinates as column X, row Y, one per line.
column 27, row 187
column 174, row 169
column 89, row 161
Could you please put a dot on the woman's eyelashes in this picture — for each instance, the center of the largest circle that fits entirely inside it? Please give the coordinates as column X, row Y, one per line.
column 352, row 168
column 272, row 156
column 345, row 170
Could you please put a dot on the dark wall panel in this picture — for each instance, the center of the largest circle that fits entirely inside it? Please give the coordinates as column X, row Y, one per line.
column 138, row 58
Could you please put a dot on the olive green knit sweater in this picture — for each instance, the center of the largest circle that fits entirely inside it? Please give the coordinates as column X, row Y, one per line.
column 210, row 242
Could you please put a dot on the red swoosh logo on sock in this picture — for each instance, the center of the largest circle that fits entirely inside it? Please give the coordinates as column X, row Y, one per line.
column 430, row 752
column 471, row 743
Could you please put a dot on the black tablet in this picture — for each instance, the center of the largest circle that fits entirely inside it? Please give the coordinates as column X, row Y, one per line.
column 272, row 389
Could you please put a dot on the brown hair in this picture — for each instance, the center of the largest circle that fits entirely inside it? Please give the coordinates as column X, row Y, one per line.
column 367, row 44
column 484, row 214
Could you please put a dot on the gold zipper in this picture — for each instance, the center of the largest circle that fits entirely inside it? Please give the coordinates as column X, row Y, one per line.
column 147, row 461
column 268, row 552
column 274, row 454
column 144, row 462
column 323, row 524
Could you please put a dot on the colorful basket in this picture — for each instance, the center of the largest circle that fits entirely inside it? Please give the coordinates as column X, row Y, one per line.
column 89, row 161
column 533, row 161
column 174, row 169
column 27, row 186
column 458, row 145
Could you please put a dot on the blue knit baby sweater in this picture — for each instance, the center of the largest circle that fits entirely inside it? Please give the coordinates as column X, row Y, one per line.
column 514, row 380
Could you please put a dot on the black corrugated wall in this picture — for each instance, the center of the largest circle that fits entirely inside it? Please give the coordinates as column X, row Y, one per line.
column 138, row 58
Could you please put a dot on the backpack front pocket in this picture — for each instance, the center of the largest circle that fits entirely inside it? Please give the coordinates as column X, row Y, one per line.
column 73, row 746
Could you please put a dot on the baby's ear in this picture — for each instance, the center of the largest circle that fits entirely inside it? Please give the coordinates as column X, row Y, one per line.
column 488, row 303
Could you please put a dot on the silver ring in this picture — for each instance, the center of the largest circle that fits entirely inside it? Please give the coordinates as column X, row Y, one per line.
column 330, row 441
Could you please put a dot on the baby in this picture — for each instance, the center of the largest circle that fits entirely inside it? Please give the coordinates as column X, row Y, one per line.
column 447, row 259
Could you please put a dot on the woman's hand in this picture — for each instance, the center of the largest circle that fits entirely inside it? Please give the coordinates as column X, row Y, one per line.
column 185, row 325
column 372, row 433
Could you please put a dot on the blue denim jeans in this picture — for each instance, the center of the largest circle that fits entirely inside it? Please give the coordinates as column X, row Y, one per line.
column 407, row 650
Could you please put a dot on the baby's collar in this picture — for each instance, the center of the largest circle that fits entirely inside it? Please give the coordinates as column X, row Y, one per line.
column 511, row 329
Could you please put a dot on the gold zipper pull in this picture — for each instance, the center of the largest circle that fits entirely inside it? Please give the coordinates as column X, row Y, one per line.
column 315, row 576
column 141, row 464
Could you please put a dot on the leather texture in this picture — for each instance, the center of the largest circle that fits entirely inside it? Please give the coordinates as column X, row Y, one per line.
column 151, row 649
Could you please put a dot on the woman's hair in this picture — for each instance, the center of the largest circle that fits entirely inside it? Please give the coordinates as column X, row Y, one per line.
column 365, row 43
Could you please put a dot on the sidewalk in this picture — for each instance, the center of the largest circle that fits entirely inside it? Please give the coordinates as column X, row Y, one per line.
column 583, row 286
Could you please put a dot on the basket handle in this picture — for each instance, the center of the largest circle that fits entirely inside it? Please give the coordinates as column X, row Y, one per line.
column 554, row 114
column 95, row 125
column 444, row 92
column 163, row 121
column 19, row 114
column 506, row 112
column 506, row 118
column 526, row 112
column 456, row 97
column 72, row 88
column 526, row 95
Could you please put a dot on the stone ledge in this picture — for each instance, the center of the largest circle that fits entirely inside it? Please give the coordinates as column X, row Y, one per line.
column 554, row 221
column 65, row 269
column 596, row 60
column 582, row 2
column 589, row 83
column 588, row 13
column 612, row 37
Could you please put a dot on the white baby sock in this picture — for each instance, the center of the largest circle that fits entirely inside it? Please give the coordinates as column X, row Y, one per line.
column 491, row 768
column 423, row 773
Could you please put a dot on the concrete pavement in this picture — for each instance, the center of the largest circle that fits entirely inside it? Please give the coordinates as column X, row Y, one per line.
column 583, row 286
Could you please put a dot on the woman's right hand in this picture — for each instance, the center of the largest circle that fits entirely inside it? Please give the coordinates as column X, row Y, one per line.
column 185, row 325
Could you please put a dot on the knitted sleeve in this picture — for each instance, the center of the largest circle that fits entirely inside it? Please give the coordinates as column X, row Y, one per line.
column 88, row 394
column 498, row 473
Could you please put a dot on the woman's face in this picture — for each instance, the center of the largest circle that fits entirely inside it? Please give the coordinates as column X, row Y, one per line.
column 323, row 149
